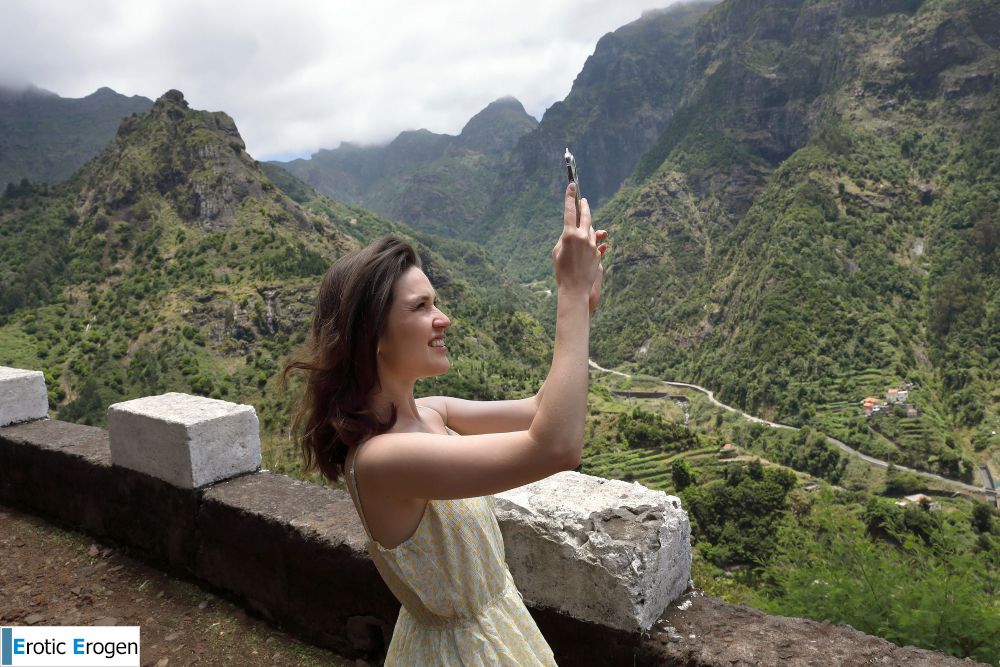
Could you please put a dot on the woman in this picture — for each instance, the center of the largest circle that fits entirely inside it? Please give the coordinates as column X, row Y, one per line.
column 422, row 471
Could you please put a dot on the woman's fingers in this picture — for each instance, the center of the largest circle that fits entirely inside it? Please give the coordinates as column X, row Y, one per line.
column 569, row 207
column 585, row 213
column 602, row 235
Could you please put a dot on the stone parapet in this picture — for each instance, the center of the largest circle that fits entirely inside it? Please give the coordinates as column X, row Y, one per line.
column 22, row 396
column 596, row 560
column 291, row 551
column 188, row 441
column 589, row 534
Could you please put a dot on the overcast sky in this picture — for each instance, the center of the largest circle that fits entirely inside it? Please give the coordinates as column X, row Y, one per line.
column 298, row 76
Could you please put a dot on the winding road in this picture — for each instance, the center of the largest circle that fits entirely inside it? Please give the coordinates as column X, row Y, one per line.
column 833, row 441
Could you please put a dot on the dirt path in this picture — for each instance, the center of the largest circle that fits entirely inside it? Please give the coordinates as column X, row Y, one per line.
column 49, row 576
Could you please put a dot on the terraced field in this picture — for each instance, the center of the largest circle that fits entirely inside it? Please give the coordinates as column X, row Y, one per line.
column 649, row 466
column 915, row 433
column 848, row 389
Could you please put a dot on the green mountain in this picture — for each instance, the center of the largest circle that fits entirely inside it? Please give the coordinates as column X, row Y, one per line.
column 802, row 201
column 819, row 223
column 45, row 137
column 172, row 262
column 432, row 182
column 623, row 99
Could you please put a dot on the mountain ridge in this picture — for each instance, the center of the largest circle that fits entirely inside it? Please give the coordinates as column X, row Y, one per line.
column 436, row 183
column 45, row 138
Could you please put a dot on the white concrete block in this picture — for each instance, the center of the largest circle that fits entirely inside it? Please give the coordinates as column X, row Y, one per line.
column 23, row 396
column 189, row 441
column 600, row 550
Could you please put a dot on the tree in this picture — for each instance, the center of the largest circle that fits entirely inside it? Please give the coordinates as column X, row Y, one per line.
column 982, row 518
column 901, row 483
column 939, row 596
column 682, row 475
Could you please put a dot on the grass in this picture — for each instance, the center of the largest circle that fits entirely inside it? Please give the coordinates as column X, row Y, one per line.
column 19, row 349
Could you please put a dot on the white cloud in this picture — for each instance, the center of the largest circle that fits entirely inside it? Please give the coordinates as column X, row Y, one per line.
column 298, row 76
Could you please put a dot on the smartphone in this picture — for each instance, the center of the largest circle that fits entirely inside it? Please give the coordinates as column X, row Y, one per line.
column 573, row 178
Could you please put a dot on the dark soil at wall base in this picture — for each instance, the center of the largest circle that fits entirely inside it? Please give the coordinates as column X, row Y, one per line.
column 50, row 576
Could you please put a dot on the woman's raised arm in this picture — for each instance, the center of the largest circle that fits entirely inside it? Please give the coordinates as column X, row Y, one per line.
column 428, row 465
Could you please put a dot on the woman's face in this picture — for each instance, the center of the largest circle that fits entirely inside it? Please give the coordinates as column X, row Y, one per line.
column 414, row 322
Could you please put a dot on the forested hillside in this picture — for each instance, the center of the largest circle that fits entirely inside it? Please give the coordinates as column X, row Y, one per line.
column 819, row 224
column 171, row 262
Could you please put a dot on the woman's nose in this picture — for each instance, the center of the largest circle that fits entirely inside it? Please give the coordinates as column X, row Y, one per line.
column 442, row 321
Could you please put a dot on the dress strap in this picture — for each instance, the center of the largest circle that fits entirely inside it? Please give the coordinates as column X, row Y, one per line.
column 352, row 486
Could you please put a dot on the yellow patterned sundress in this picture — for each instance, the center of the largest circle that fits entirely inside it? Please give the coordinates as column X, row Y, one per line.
column 460, row 605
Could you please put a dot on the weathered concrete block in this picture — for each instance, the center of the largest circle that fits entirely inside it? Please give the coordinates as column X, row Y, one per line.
column 22, row 395
column 189, row 441
column 600, row 550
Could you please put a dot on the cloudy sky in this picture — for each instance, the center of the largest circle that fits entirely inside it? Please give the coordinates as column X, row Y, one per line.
column 298, row 76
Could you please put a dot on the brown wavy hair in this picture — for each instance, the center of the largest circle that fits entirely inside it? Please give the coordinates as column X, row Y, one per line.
column 339, row 359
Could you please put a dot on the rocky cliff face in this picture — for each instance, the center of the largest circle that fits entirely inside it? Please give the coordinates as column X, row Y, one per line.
column 620, row 103
column 194, row 159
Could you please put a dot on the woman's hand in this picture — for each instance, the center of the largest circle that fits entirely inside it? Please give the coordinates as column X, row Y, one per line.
column 576, row 256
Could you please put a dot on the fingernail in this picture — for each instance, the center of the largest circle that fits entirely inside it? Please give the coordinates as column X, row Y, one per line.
column 572, row 187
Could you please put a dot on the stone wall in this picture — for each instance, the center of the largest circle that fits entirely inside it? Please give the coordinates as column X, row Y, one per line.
column 177, row 481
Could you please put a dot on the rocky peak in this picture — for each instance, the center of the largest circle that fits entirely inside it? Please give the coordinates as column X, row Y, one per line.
column 104, row 91
column 170, row 105
column 173, row 96
column 196, row 160
column 496, row 129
